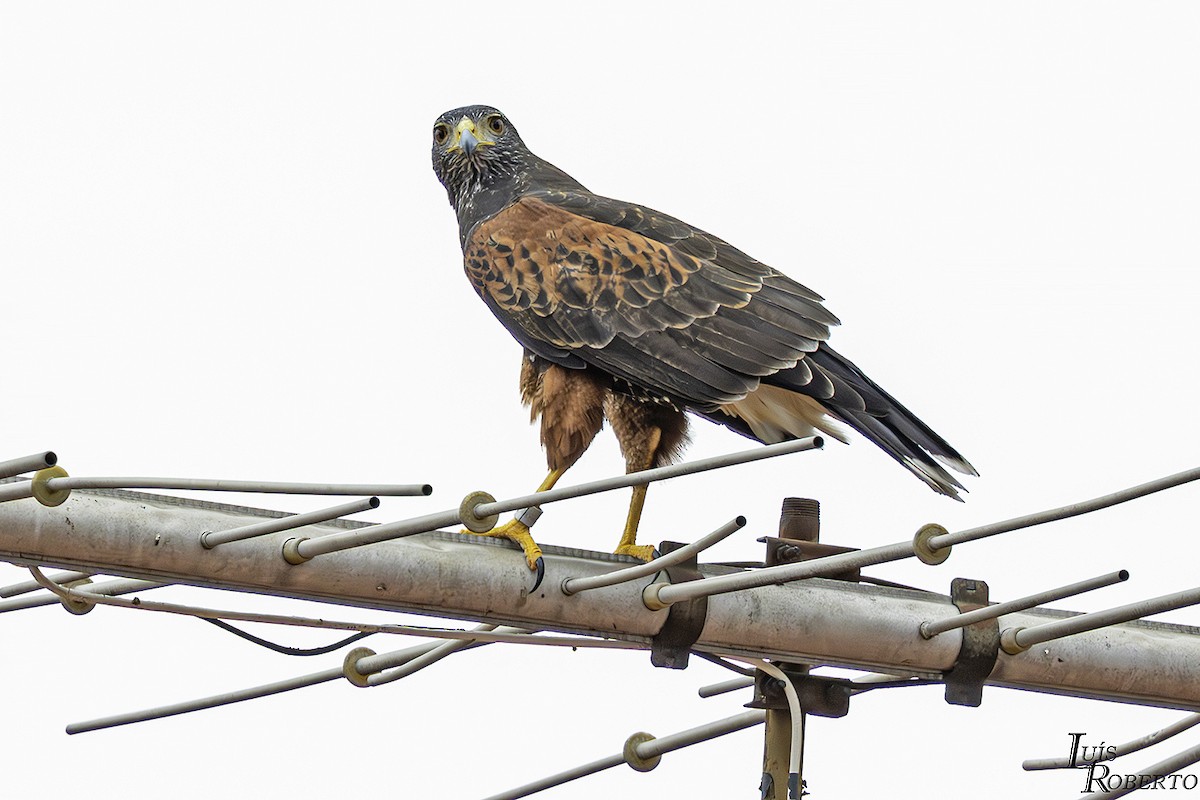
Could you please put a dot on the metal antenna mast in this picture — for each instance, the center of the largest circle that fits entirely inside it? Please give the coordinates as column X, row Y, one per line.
column 806, row 606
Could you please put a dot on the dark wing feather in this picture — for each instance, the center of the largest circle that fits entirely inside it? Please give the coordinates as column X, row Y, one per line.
column 658, row 303
column 533, row 342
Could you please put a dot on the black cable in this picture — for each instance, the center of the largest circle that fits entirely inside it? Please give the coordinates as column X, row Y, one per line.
column 866, row 687
column 720, row 662
column 287, row 651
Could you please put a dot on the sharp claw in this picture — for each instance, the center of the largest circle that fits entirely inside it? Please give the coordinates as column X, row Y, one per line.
column 540, row 566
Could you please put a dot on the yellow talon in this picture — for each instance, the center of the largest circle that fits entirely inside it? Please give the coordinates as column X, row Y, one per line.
column 518, row 532
column 643, row 551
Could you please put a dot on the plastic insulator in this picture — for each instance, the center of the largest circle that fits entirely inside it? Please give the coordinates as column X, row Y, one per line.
column 291, row 550
column 472, row 522
column 77, row 605
column 630, row 754
column 923, row 550
column 650, row 597
column 41, row 488
column 1008, row 641
column 350, row 666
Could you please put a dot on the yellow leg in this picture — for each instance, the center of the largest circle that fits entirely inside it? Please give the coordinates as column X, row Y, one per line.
column 628, row 545
column 517, row 531
column 551, row 479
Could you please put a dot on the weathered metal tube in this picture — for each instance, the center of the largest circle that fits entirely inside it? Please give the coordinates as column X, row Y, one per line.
column 576, row 585
column 32, row 463
column 1132, row 746
column 649, row 476
column 210, row 539
column 1016, row 639
column 643, row 748
column 466, row 577
column 1067, row 511
column 24, row 587
column 931, row 629
column 219, row 485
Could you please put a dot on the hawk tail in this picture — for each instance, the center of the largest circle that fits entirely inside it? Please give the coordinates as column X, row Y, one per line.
column 913, row 455
column 825, row 387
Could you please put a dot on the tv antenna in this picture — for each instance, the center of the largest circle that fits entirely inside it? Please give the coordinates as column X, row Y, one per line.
column 778, row 625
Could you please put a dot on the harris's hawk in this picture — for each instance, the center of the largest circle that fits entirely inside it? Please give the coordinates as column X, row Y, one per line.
column 633, row 316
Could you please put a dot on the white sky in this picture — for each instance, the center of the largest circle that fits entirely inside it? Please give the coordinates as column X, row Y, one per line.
column 225, row 255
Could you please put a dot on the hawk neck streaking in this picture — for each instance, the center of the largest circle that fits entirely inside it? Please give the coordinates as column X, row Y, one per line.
column 633, row 316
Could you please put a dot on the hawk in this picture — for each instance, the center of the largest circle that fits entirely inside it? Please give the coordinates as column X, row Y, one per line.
column 632, row 316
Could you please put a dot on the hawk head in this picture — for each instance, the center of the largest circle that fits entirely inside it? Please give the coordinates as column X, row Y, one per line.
column 474, row 147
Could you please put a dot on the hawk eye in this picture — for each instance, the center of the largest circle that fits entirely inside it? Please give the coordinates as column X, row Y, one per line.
column 441, row 132
column 495, row 124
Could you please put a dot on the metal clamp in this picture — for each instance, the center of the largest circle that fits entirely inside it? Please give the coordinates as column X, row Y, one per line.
column 673, row 643
column 793, row 551
column 819, row 695
column 980, row 646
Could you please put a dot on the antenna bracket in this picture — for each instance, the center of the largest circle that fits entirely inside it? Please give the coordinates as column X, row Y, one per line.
column 980, row 646
column 685, row 620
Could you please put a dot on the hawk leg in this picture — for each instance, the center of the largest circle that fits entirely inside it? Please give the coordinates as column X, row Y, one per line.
column 651, row 434
column 516, row 531
column 628, row 545
column 570, row 404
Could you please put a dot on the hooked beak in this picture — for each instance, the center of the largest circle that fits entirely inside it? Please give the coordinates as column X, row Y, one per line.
column 467, row 141
column 467, row 137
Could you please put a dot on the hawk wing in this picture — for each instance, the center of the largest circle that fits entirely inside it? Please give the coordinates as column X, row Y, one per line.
column 669, row 308
column 677, row 313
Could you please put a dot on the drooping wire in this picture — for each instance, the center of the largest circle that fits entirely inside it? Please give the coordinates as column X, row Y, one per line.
column 287, row 651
